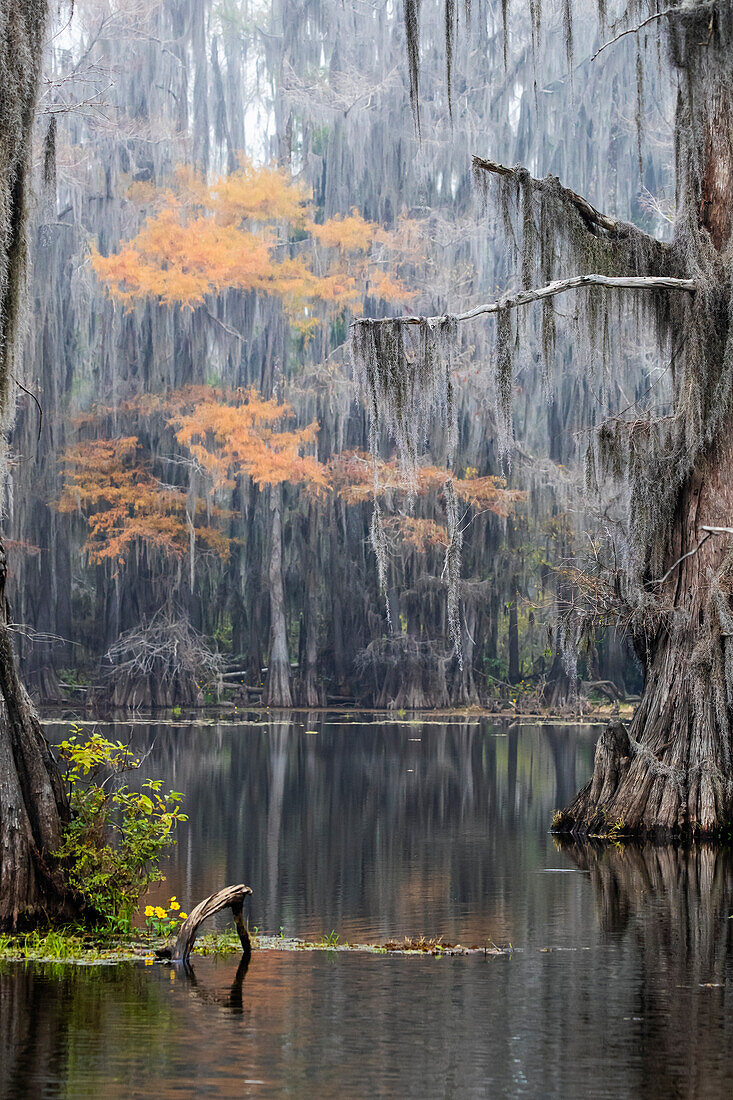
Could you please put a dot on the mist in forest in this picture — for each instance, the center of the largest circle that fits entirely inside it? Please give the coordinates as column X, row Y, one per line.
column 220, row 190
column 366, row 436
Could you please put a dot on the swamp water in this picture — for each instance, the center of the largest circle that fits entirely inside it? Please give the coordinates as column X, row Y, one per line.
column 619, row 983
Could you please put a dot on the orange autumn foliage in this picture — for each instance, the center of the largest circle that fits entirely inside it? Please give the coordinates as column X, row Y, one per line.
column 109, row 484
column 262, row 194
column 488, row 494
column 390, row 289
column 181, row 261
column 246, row 437
column 352, row 233
column 352, row 474
column 421, row 535
column 244, row 231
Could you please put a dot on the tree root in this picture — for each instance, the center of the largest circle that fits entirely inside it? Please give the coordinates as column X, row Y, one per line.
column 635, row 791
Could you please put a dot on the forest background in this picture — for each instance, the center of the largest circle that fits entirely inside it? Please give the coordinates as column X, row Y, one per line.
column 221, row 188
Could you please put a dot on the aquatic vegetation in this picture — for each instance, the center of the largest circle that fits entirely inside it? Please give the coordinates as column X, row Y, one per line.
column 162, row 921
column 65, row 945
column 113, row 844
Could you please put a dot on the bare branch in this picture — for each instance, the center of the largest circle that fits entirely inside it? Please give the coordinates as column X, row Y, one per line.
column 229, row 331
column 523, row 297
column 689, row 554
column 39, row 406
column 708, row 532
column 645, row 22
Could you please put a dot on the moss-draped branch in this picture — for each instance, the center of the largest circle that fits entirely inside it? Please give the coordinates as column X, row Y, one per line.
column 512, row 299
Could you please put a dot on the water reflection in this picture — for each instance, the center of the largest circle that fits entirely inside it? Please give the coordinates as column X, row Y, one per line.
column 617, row 988
column 232, row 999
column 62, row 1025
column 372, row 830
column 673, row 907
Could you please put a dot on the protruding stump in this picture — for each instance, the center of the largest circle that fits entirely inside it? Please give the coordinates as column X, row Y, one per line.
column 231, row 897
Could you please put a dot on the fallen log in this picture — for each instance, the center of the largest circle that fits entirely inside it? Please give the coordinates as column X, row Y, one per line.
column 231, row 897
column 606, row 687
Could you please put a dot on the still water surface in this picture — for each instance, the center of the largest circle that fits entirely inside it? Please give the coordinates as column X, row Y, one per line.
column 618, row 985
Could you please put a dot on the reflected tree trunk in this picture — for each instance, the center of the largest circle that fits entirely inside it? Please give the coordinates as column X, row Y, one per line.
column 672, row 903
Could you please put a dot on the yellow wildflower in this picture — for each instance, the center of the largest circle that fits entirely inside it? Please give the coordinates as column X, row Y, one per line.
column 174, row 898
column 160, row 913
column 184, row 916
column 148, row 960
column 149, row 911
column 174, row 905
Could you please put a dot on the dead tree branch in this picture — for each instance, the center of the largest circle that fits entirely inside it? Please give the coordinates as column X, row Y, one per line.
column 231, row 897
column 644, row 23
column 513, row 299
column 689, row 554
column 708, row 532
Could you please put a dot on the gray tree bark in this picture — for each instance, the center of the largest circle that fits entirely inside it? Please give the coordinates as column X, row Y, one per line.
column 33, row 806
column 278, row 691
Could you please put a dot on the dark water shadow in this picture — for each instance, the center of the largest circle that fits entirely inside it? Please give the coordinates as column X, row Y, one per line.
column 674, row 904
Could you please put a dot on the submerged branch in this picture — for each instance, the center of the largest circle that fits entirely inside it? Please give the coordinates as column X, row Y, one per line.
column 523, row 297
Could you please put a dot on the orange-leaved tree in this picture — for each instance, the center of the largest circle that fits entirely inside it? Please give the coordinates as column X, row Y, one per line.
column 354, row 477
column 251, row 230
column 219, row 437
column 125, row 507
column 244, row 435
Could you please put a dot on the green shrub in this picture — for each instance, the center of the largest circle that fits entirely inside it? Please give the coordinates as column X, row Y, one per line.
column 113, row 845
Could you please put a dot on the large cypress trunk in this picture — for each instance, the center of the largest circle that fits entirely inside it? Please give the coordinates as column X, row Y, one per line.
column 32, row 802
column 33, row 805
column 672, row 771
